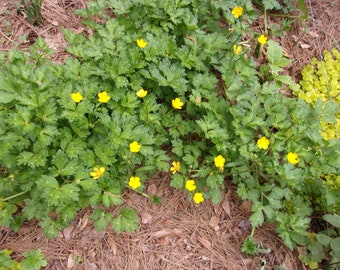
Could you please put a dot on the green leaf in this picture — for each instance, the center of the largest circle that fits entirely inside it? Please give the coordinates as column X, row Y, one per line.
column 249, row 247
column 34, row 260
column 51, row 228
column 301, row 5
column 127, row 220
column 324, row 239
column 269, row 211
column 32, row 159
column 109, row 199
column 335, row 246
column 88, row 184
column 177, row 181
column 333, row 219
column 100, row 218
column 6, row 97
column 101, row 223
column 257, row 219
column 274, row 54
column 271, row 4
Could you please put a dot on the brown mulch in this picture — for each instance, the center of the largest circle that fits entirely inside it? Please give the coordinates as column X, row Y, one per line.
column 176, row 234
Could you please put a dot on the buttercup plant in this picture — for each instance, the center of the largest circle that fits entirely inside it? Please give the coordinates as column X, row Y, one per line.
column 52, row 140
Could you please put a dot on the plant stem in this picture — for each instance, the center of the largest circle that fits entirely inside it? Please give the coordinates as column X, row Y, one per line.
column 13, row 196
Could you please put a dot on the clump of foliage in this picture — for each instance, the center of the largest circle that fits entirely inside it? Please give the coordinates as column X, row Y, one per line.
column 321, row 80
column 33, row 260
column 32, row 9
column 160, row 86
column 323, row 246
column 320, row 86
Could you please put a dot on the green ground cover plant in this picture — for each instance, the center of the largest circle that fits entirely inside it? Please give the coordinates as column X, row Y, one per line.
column 161, row 86
column 320, row 84
column 33, row 260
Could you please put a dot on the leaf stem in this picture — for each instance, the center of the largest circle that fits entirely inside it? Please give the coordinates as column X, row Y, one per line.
column 13, row 196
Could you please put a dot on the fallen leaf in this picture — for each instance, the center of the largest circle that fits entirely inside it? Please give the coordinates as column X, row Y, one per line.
column 91, row 266
column 165, row 233
column 226, row 204
column 113, row 245
column 244, row 224
column 71, row 263
column 247, row 261
column 246, row 206
column 146, row 218
column 68, row 232
column 305, row 46
column 313, row 34
column 152, row 189
column 214, row 221
column 83, row 222
column 205, row 243
column 73, row 259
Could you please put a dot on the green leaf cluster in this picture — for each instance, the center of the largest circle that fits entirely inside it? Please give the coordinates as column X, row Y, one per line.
column 33, row 260
column 321, row 81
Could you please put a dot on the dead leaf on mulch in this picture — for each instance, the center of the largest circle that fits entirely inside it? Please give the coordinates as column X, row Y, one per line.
column 205, row 242
column 165, row 233
column 214, row 221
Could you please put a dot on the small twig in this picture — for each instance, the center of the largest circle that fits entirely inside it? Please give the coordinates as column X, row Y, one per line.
column 6, row 36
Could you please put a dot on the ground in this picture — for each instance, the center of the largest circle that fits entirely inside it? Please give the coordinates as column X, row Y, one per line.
column 176, row 234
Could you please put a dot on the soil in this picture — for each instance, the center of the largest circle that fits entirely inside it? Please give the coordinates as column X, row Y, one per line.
column 175, row 234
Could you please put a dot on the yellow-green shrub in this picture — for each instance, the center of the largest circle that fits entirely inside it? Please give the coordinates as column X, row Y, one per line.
column 321, row 80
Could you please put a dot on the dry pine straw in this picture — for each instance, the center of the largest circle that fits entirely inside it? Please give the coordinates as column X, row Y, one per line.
column 175, row 234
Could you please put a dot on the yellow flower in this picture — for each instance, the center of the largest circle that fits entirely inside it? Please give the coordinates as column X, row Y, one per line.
column 141, row 93
column 263, row 143
column 262, row 39
column 237, row 49
column 219, row 162
column 134, row 147
column 134, row 182
column 237, row 12
column 292, row 158
column 97, row 172
column 176, row 166
column 141, row 43
column 177, row 104
column 190, row 185
column 198, row 197
column 77, row 97
column 103, row 97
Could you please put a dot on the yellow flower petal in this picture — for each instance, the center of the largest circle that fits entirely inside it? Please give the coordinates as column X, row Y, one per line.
column 177, row 104
column 97, row 172
column 103, row 97
column 77, row 97
column 237, row 49
column 190, row 185
column 237, row 12
column 262, row 39
column 219, row 162
column 198, row 197
column 134, row 182
column 141, row 93
column 176, row 166
column 135, row 147
column 263, row 143
column 141, row 43
column 293, row 158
